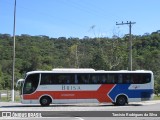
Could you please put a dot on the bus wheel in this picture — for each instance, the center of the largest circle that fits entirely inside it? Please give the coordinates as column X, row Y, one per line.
column 45, row 101
column 121, row 100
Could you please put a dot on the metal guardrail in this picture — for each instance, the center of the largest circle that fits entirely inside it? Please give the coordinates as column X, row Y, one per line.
column 5, row 95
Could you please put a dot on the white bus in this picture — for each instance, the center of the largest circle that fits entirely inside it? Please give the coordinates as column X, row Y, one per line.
column 86, row 86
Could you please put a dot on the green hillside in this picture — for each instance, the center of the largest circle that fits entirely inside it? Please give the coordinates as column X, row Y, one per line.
column 44, row 53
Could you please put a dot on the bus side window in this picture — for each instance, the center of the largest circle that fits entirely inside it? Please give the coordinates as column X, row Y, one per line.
column 94, row 79
column 64, row 78
column 112, row 79
column 120, row 78
column 75, row 79
column 83, row 78
column 128, row 78
column 146, row 78
column 135, row 78
column 67, row 79
column 46, row 79
column 103, row 79
column 60, row 79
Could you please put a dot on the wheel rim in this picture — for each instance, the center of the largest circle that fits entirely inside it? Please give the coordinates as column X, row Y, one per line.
column 44, row 101
column 121, row 101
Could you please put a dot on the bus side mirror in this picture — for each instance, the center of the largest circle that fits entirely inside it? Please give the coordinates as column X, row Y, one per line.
column 19, row 82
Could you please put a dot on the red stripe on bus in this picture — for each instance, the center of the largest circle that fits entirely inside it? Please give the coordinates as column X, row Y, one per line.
column 101, row 94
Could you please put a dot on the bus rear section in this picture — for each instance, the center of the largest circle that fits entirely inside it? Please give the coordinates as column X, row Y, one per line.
column 134, row 86
column 45, row 88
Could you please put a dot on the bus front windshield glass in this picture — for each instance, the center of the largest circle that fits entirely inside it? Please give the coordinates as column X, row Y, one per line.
column 31, row 83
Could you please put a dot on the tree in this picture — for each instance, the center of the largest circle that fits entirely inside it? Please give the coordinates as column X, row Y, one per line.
column 157, row 88
column 44, row 53
column 1, row 81
column 74, row 60
column 98, row 61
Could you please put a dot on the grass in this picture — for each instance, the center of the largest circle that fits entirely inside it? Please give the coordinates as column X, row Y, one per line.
column 156, row 97
column 5, row 99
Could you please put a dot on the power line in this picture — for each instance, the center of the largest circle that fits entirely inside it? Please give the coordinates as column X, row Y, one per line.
column 130, row 41
column 91, row 11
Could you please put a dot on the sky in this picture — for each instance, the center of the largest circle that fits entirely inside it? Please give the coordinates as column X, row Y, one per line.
column 79, row 18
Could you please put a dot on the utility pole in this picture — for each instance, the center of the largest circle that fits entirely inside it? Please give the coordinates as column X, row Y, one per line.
column 13, row 67
column 130, row 41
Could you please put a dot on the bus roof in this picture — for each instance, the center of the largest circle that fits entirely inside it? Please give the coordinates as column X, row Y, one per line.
column 86, row 70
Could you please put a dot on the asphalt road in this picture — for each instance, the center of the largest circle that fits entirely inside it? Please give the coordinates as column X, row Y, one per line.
column 148, row 110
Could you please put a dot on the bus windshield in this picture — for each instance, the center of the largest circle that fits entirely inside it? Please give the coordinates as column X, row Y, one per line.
column 31, row 83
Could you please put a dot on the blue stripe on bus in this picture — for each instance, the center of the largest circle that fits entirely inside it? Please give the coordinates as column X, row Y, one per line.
column 137, row 93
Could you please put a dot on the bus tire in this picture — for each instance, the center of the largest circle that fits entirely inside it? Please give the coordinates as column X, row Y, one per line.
column 45, row 101
column 113, row 103
column 121, row 100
